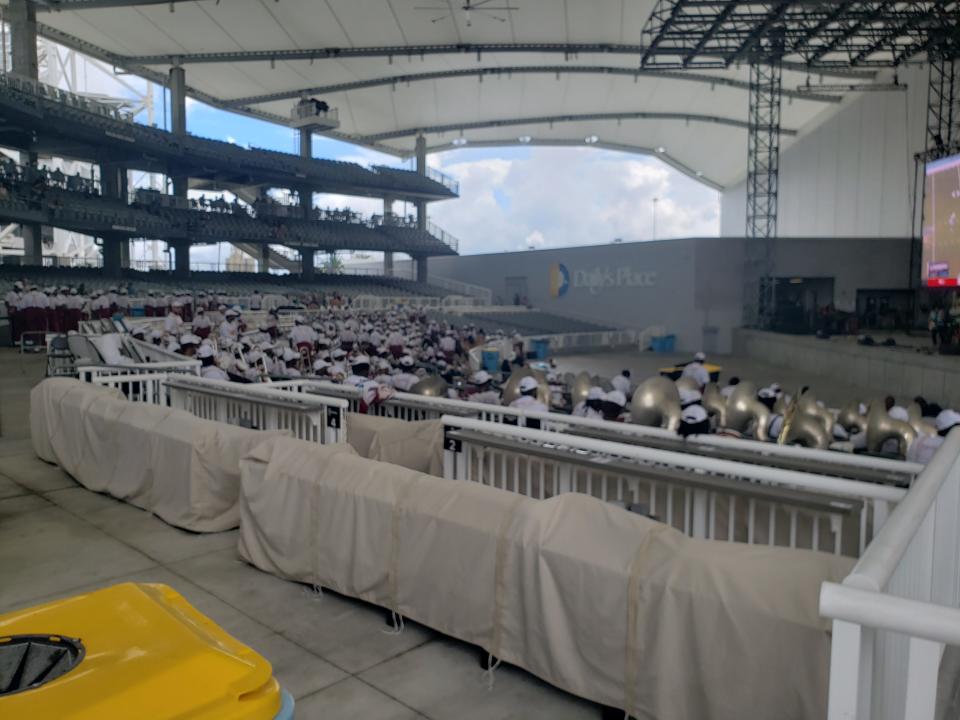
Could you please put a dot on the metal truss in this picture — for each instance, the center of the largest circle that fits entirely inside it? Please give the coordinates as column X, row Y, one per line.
column 943, row 108
column 551, row 119
column 510, row 71
column 699, row 33
column 763, row 164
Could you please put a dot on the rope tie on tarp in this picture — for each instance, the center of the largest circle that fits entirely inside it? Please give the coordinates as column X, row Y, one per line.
column 500, row 589
column 393, row 567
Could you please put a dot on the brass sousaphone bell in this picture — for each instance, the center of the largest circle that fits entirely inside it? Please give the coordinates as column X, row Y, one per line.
column 656, row 403
column 919, row 423
column 881, row 427
column 800, row 428
column 744, row 410
column 511, row 389
column 808, row 405
column 850, row 418
column 430, row 386
column 580, row 388
column 715, row 403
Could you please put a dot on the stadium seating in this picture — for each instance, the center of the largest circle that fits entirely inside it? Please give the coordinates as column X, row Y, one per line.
column 228, row 283
column 85, row 119
column 532, row 322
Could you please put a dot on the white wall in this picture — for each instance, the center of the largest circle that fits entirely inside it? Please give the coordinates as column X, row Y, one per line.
column 851, row 174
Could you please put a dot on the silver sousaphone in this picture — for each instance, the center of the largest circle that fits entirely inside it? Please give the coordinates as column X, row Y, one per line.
column 745, row 411
column 430, row 386
column 656, row 403
column 511, row 389
column 881, row 427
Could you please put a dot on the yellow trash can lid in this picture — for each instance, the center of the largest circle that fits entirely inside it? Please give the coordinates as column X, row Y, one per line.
column 129, row 651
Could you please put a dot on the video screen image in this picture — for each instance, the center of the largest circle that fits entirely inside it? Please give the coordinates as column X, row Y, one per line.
column 941, row 223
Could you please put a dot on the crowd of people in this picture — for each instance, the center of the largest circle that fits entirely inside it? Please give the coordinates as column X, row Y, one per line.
column 383, row 352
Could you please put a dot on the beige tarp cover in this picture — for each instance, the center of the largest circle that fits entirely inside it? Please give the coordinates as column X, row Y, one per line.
column 183, row 469
column 598, row 601
column 417, row 445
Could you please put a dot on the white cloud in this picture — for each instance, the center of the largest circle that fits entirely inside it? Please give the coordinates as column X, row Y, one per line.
column 555, row 197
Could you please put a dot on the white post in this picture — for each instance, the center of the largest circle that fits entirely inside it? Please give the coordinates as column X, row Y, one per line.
column 923, row 667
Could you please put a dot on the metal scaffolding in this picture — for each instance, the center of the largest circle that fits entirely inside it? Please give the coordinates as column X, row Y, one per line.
column 943, row 107
column 838, row 34
column 763, row 164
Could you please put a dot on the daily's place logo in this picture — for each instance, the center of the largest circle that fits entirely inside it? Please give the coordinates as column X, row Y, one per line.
column 559, row 280
column 597, row 279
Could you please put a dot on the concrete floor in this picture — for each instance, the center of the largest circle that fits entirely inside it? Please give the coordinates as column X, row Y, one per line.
column 57, row 539
column 330, row 653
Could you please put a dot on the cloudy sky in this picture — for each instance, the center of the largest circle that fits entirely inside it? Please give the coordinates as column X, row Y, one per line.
column 510, row 198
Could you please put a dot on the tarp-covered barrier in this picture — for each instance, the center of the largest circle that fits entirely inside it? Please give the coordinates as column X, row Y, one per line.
column 183, row 469
column 416, row 445
column 598, row 601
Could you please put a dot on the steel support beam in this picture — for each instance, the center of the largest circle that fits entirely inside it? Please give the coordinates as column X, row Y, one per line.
column 551, row 119
column 763, row 165
column 570, row 51
column 421, row 151
column 22, row 16
column 181, row 262
column 388, row 264
column 112, row 250
column 308, row 258
column 422, row 269
column 510, row 71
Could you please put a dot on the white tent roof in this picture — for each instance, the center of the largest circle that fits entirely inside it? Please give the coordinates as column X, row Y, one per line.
column 695, row 120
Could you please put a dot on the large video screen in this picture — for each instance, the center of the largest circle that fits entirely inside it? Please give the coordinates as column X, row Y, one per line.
column 941, row 223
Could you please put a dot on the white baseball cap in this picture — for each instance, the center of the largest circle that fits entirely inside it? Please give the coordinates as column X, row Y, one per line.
column 947, row 419
column 407, row 361
column 900, row 413
column 688, row 396
column 205, row 351
column 480, row 377
column 693, row 414
column 189, row 339
column 360, row 360
column 700, row 356
column 528, row 383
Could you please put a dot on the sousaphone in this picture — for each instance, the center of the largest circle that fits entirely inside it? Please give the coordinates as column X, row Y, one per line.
column 714, row 402
column 656, row 403
column 579, row 388
column 800, row 428
column 919, row 423
column 431, row 386
column 808, row 405
column 744, row 410
column 850, row 418
column 511, row 389
column 881, row 427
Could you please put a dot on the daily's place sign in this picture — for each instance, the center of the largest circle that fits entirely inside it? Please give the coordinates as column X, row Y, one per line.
column 597, row 279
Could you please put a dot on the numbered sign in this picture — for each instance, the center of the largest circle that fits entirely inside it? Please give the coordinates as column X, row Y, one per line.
column 333, row 418
column 453, row 444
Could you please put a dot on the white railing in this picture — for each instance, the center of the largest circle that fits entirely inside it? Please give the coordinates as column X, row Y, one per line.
column 408, row 406
column 185, row 366
column 900, row 606
column 702, row 496
column 146, row 387
column 307, row 417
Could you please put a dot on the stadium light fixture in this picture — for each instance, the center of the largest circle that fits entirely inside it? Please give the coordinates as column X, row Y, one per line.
column 591, row 140
column 459, row 142
column 661, row 150
column 524, row 139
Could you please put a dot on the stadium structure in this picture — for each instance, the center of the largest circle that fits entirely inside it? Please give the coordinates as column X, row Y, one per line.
column 668, row 479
